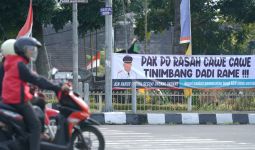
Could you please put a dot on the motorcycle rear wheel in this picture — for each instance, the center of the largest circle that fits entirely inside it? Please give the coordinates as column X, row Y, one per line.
column 93, row 138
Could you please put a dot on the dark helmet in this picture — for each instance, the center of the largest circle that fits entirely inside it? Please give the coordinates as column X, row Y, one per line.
column 25, row 45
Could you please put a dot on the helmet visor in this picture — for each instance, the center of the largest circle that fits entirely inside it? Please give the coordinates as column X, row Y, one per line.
column 31, row 52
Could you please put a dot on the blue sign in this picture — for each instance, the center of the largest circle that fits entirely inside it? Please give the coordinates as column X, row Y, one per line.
column 106, row 11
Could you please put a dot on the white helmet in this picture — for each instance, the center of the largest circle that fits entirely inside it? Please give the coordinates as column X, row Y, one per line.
column 7, row 48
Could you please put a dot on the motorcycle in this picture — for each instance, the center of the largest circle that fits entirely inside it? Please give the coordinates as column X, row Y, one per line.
column 70, row 130
column 88, row 128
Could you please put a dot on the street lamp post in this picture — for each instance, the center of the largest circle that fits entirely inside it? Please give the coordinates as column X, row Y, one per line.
column 108, row 56
column 75, row 48
column 75, row 40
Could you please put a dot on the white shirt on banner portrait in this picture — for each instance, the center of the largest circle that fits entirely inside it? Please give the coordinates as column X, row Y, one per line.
column 126, row 75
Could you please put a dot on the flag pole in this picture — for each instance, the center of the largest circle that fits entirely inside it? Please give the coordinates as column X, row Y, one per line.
column 186, row 38
column 26, row 30
column 189, row 50
column 31, row 35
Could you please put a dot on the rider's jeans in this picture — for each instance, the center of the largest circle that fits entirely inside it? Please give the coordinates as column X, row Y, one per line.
column 32, row 122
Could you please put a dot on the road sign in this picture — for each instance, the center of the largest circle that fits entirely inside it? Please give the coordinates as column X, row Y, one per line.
column 106, row 11
column 73, row 1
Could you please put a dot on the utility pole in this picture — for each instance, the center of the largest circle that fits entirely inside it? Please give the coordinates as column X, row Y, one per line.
column 75, row 40
column 108, row 56
column 145, row 25
column 75, row 48
column 125, row 25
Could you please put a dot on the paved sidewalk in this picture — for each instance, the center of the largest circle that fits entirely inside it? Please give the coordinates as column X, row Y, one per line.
column 174, row 118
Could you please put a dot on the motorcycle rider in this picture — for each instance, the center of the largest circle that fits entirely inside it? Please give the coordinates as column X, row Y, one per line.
column 15, row 90
column 7, row 48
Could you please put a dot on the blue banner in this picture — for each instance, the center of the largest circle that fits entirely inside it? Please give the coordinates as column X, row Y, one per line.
column 184, row 83
column 185, row 22
column 217, row 83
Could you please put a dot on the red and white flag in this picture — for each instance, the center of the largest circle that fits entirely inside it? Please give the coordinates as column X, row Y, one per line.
column 26, row 30
column 95, row 61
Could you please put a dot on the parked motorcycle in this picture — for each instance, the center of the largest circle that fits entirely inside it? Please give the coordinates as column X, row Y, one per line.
column 72, row 124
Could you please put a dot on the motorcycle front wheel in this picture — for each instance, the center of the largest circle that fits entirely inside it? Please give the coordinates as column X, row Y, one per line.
column 93, row 139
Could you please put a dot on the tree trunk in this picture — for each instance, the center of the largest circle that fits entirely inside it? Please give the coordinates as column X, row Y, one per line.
column 42, row 64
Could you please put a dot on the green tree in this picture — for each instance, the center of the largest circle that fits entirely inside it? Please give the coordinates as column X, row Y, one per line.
column 14, row 13
column 13, row 16
column 239, row 17
column 218, row 27
column 241, row 11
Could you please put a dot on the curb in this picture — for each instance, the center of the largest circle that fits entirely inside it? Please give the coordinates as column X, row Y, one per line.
column 174, row 118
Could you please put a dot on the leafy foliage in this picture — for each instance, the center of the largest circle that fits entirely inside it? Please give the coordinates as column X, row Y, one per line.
column 241, row 11
column 14, row 13
column 89, row 16
column 218, row 27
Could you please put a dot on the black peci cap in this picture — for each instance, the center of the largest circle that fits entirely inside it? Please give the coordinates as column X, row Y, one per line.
column 127, row 59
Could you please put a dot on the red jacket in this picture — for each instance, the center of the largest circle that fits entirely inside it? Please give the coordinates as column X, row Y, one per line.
column 14, row 90
column 14, row 78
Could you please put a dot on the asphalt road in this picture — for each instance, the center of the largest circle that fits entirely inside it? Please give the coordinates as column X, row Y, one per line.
column 179, row 137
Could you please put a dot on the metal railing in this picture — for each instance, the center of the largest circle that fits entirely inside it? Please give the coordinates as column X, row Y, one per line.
column 174, row 100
